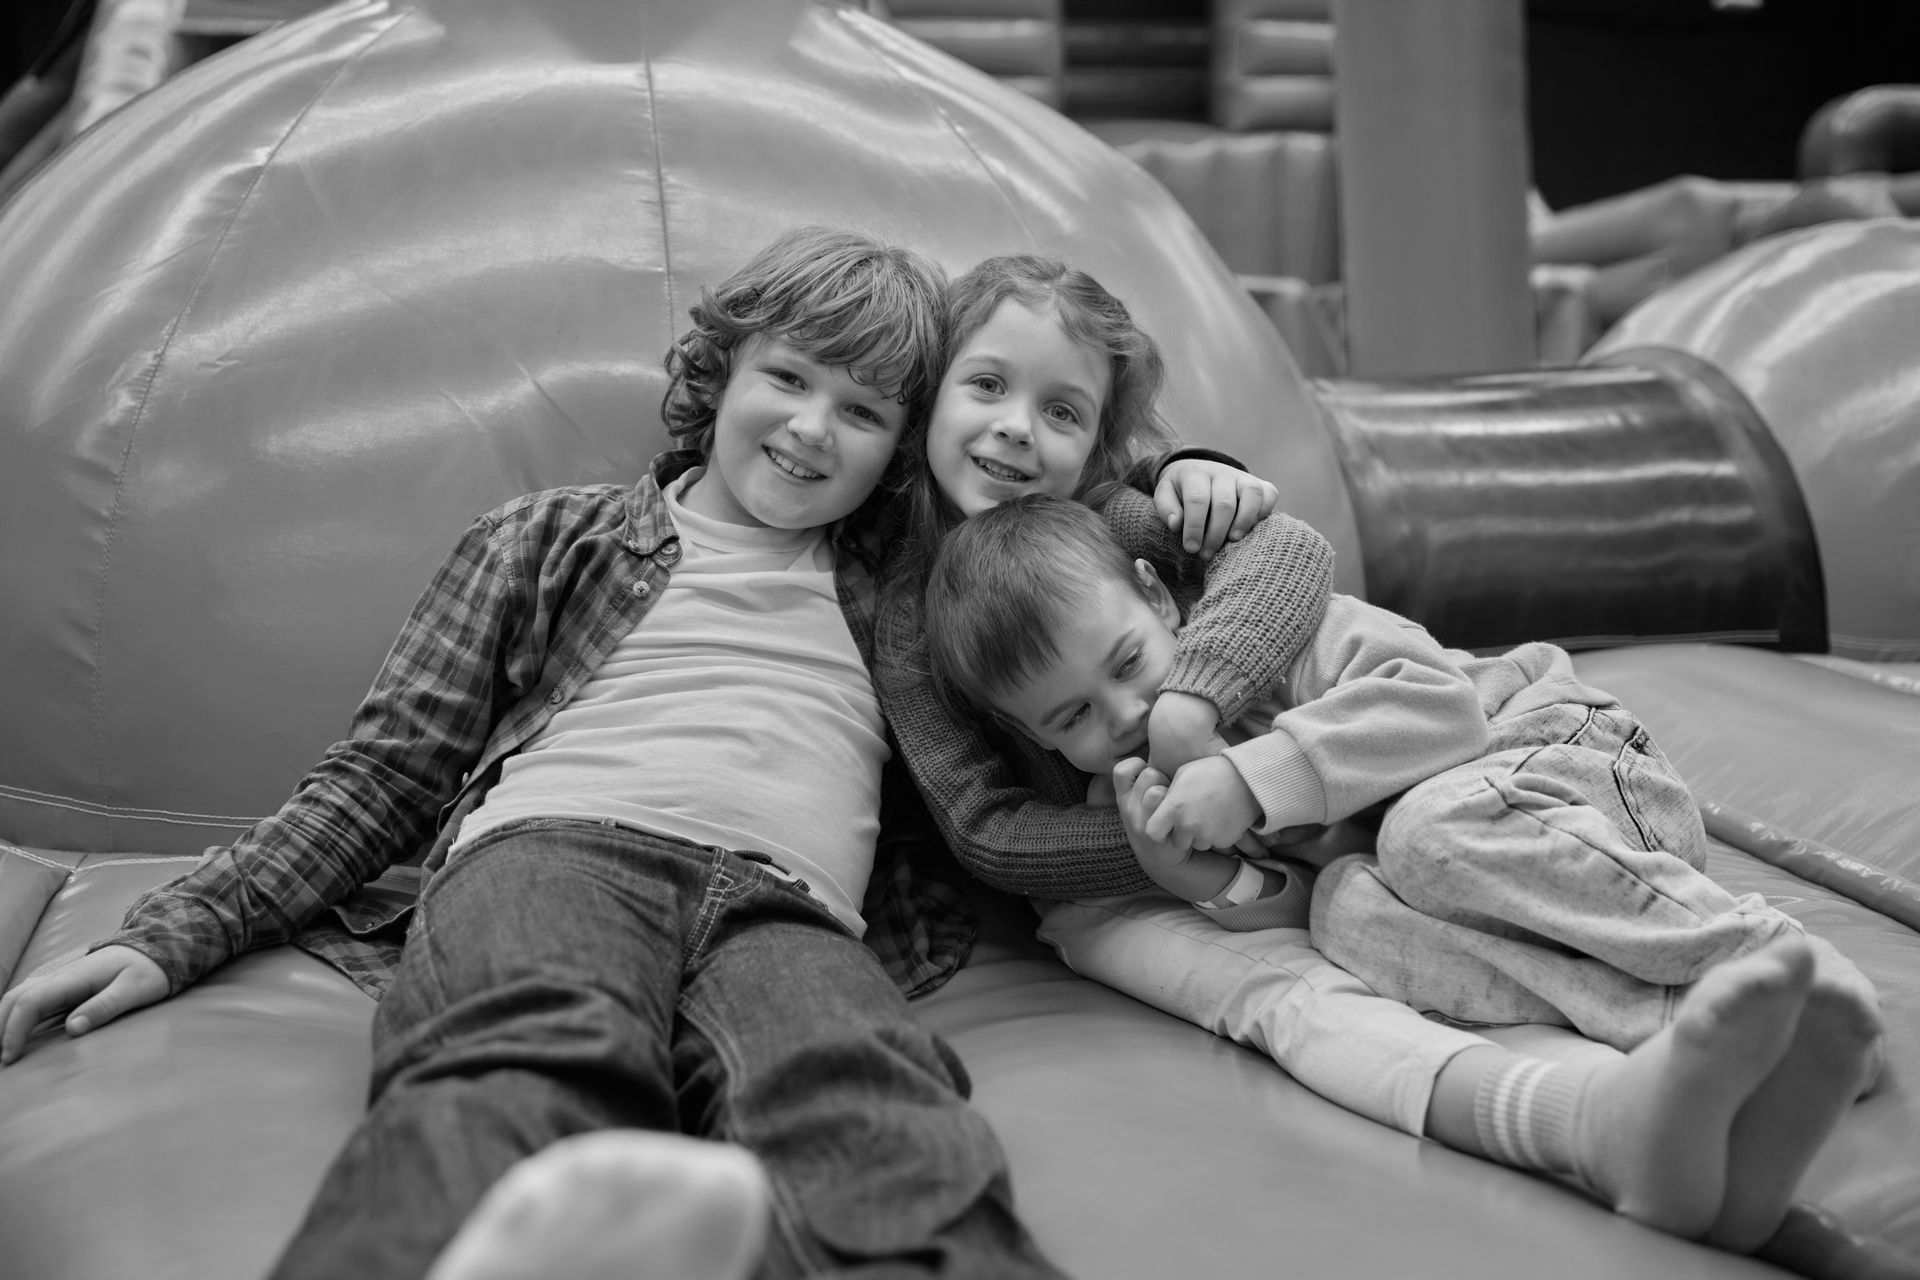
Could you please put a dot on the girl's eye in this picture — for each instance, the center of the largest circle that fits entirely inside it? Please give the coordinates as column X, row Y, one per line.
column 985, row 382
column 1128, row 665
column 1073, row 719
column 788, row 376
column 862, row 411
column 1064, row 413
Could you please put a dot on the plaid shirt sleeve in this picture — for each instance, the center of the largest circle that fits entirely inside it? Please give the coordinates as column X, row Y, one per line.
column 376, row 795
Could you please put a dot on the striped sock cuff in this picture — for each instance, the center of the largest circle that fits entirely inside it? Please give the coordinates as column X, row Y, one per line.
column 1524, row 1113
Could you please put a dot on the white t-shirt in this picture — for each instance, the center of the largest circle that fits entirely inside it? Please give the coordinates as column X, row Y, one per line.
column 738, row 713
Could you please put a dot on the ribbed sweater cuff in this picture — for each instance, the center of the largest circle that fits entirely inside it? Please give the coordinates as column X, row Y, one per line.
column 1283, row 781
column 1211, row 677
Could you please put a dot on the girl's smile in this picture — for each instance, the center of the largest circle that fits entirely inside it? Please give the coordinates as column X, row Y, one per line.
column 1018, row 411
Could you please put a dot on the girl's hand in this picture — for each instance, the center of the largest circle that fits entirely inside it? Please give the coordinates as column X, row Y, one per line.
column 1211, row 503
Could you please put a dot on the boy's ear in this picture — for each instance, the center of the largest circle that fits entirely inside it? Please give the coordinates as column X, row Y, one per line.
column 1155, row 593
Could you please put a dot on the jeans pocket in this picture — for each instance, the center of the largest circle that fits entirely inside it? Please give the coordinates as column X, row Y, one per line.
column 1560, row 724
column 1663, row 811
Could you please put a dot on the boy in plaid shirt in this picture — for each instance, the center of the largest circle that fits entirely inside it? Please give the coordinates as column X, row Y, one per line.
column 615, row 933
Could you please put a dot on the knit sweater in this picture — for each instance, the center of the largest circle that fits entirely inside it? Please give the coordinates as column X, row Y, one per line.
column 1014, row 813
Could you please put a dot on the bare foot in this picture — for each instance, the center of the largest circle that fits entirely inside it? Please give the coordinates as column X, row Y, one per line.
column 1653, row 1133
column 1834, row 1057
column 623, row 1204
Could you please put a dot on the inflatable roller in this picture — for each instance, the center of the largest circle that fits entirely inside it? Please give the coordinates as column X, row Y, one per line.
column 1641, row 498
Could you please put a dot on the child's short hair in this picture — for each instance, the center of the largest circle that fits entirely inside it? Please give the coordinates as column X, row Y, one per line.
column 841, row 297
column 1130, row 422
column 1003, row 586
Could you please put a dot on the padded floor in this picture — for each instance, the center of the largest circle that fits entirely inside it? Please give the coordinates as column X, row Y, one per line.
column 183, row 1142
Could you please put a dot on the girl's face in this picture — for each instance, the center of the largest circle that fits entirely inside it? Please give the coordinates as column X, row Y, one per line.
column 1018, row 411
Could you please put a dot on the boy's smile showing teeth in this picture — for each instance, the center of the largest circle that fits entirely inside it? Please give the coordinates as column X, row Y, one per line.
column 791, row 467
column 824, row 433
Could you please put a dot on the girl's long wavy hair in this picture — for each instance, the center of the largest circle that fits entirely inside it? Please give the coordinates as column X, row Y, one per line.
column 1130, row 423
column 841, row 297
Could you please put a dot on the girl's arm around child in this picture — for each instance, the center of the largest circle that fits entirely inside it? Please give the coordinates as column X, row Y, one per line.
column 1014, row 813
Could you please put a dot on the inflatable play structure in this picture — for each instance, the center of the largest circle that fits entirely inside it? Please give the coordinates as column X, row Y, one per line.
column 272, row 333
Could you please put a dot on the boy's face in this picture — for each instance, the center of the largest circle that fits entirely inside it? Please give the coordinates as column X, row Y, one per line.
column 1018, row 411
column 1091, row 706
column 796, row 443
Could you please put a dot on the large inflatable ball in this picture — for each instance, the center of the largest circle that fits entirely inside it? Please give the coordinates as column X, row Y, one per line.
column 274, row 333
column 1820, row 329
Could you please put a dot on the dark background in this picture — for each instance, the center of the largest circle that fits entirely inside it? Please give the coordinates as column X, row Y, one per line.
column 1622, row 93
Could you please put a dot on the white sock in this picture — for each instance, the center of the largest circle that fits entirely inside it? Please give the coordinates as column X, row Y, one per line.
column 1523, row 1114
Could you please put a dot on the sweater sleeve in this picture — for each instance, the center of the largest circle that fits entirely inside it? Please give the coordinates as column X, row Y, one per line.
column 1373, row 706
column 1249, row 611
column 1009, row 810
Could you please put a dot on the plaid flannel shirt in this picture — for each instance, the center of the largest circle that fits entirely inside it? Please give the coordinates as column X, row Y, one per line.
column 533, row 597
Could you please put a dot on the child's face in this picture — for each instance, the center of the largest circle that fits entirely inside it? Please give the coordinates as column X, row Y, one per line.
column 1018, row 411
column 1091, row 706
column 796, row 443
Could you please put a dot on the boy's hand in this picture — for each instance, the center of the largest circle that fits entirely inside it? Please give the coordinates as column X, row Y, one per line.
column 1207, row 806
column 1211, row 503
column 1181, row 727
column 103, row 984
column 1181, row 872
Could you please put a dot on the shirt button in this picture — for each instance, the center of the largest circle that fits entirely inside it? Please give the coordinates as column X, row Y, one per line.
column 556, row 697
column 669, row 553
column 642, row 590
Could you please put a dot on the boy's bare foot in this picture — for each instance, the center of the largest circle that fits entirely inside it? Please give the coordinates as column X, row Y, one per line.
column 1654, row 1130
column 623, row 1204
column 1834, row 1057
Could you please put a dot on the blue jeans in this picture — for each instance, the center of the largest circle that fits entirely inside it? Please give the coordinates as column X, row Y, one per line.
column 1557, row 879
column 565, row 976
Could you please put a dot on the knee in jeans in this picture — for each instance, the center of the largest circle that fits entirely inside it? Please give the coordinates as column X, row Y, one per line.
column 1421, row 830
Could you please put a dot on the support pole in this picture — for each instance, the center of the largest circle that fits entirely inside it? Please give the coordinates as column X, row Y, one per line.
column 1430, row 118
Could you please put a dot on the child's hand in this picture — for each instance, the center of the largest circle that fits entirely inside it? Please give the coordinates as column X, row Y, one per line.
column 1211, row 503
column 1100, row 792
column 1207, row 806
column 104, row 984
column 1181, row 727
column 1139, row 789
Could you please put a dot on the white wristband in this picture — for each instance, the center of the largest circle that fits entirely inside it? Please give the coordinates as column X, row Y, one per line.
column 1248, row 883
